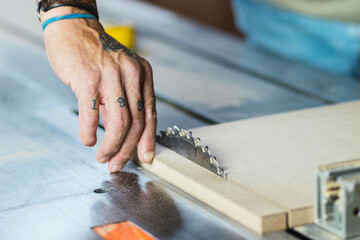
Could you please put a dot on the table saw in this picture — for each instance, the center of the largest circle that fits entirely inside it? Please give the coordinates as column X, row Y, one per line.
column 52, row 187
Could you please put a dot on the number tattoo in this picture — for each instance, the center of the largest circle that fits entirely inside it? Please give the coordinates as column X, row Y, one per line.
column 94, row 107
column 140, row 106
column 121, row 101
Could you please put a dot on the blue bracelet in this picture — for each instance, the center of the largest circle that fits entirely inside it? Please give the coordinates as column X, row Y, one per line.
column 69, row 16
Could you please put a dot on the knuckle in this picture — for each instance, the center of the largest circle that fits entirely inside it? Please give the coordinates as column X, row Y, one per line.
column 86, row 89
column 137, row 126
column 121, row 122
column 151, row 113
column 110, row 150
column 89, row 122
column 151, row 117
column 132, row 66
column 147, row 65
column 113, row 68
column 123, row 157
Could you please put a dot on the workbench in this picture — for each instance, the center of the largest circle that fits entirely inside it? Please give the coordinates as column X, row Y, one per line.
column 51, row 185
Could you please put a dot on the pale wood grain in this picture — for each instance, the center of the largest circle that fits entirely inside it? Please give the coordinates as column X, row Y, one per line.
column 270, row 163
column 231, row 199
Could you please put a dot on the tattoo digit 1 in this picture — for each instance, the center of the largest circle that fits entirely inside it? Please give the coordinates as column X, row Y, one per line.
column 121, row 101
column 110, row 44
column 140, row 106
column 94, row 107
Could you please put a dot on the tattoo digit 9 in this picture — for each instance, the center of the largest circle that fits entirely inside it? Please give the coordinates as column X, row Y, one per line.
column 121, row 101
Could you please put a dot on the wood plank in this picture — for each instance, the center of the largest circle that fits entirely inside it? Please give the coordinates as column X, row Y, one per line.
column 273, row 158
column 236, row 202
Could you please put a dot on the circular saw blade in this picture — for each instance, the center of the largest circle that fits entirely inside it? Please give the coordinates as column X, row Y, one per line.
column 183, row 143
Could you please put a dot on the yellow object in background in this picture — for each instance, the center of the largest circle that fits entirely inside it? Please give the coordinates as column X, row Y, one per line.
column 125, row 34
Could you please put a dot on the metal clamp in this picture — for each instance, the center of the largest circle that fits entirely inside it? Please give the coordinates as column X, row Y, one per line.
column 337, row 198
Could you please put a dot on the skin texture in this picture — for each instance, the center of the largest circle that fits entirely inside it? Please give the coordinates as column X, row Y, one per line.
column 108, row 80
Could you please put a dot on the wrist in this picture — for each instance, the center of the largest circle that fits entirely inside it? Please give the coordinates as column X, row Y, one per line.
column 60, row 11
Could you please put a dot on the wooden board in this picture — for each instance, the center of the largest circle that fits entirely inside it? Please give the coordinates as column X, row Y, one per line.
column 270, row 163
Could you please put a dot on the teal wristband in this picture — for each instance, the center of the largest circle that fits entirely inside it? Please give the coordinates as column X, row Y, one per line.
column 69, row 16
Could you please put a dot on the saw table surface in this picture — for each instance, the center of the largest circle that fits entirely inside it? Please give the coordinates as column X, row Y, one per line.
column 48, row 179
column 202, row 76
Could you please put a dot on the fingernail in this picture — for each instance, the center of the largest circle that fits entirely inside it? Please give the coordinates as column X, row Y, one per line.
column 104, row 159
column 116, row 167
column 149, row 156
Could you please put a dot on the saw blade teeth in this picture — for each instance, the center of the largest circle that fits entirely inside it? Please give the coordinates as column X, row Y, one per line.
column 208, row 151
column 216, row 163
column 169, row 131
column 212, row 159
column 222, row 173
column 162, row 134
column 189, row 135
column 183, row 132
column 176, row 134
column 198, row 143
column 176, row 129
column 204, row 149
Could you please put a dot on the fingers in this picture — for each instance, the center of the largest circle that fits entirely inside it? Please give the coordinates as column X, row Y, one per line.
column 88, row 116
column 129, row 115
column 146, row 147
column 133, row 86
column 117, row 117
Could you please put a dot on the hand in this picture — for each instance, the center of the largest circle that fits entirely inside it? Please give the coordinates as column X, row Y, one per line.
column 107, row 79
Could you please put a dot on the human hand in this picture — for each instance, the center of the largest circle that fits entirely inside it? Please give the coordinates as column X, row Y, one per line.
column 108, row 80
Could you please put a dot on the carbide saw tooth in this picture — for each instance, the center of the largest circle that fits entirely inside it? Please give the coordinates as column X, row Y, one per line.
column 216, row 163
column 204, row 149
column 198, row 143
column 169, row 131
column 176, row 129
column 162, row 134
column 179, row 134
column 189, row 135
column 182, row 132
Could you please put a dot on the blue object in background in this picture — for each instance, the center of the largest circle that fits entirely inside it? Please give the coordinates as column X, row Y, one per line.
column 328, row 44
